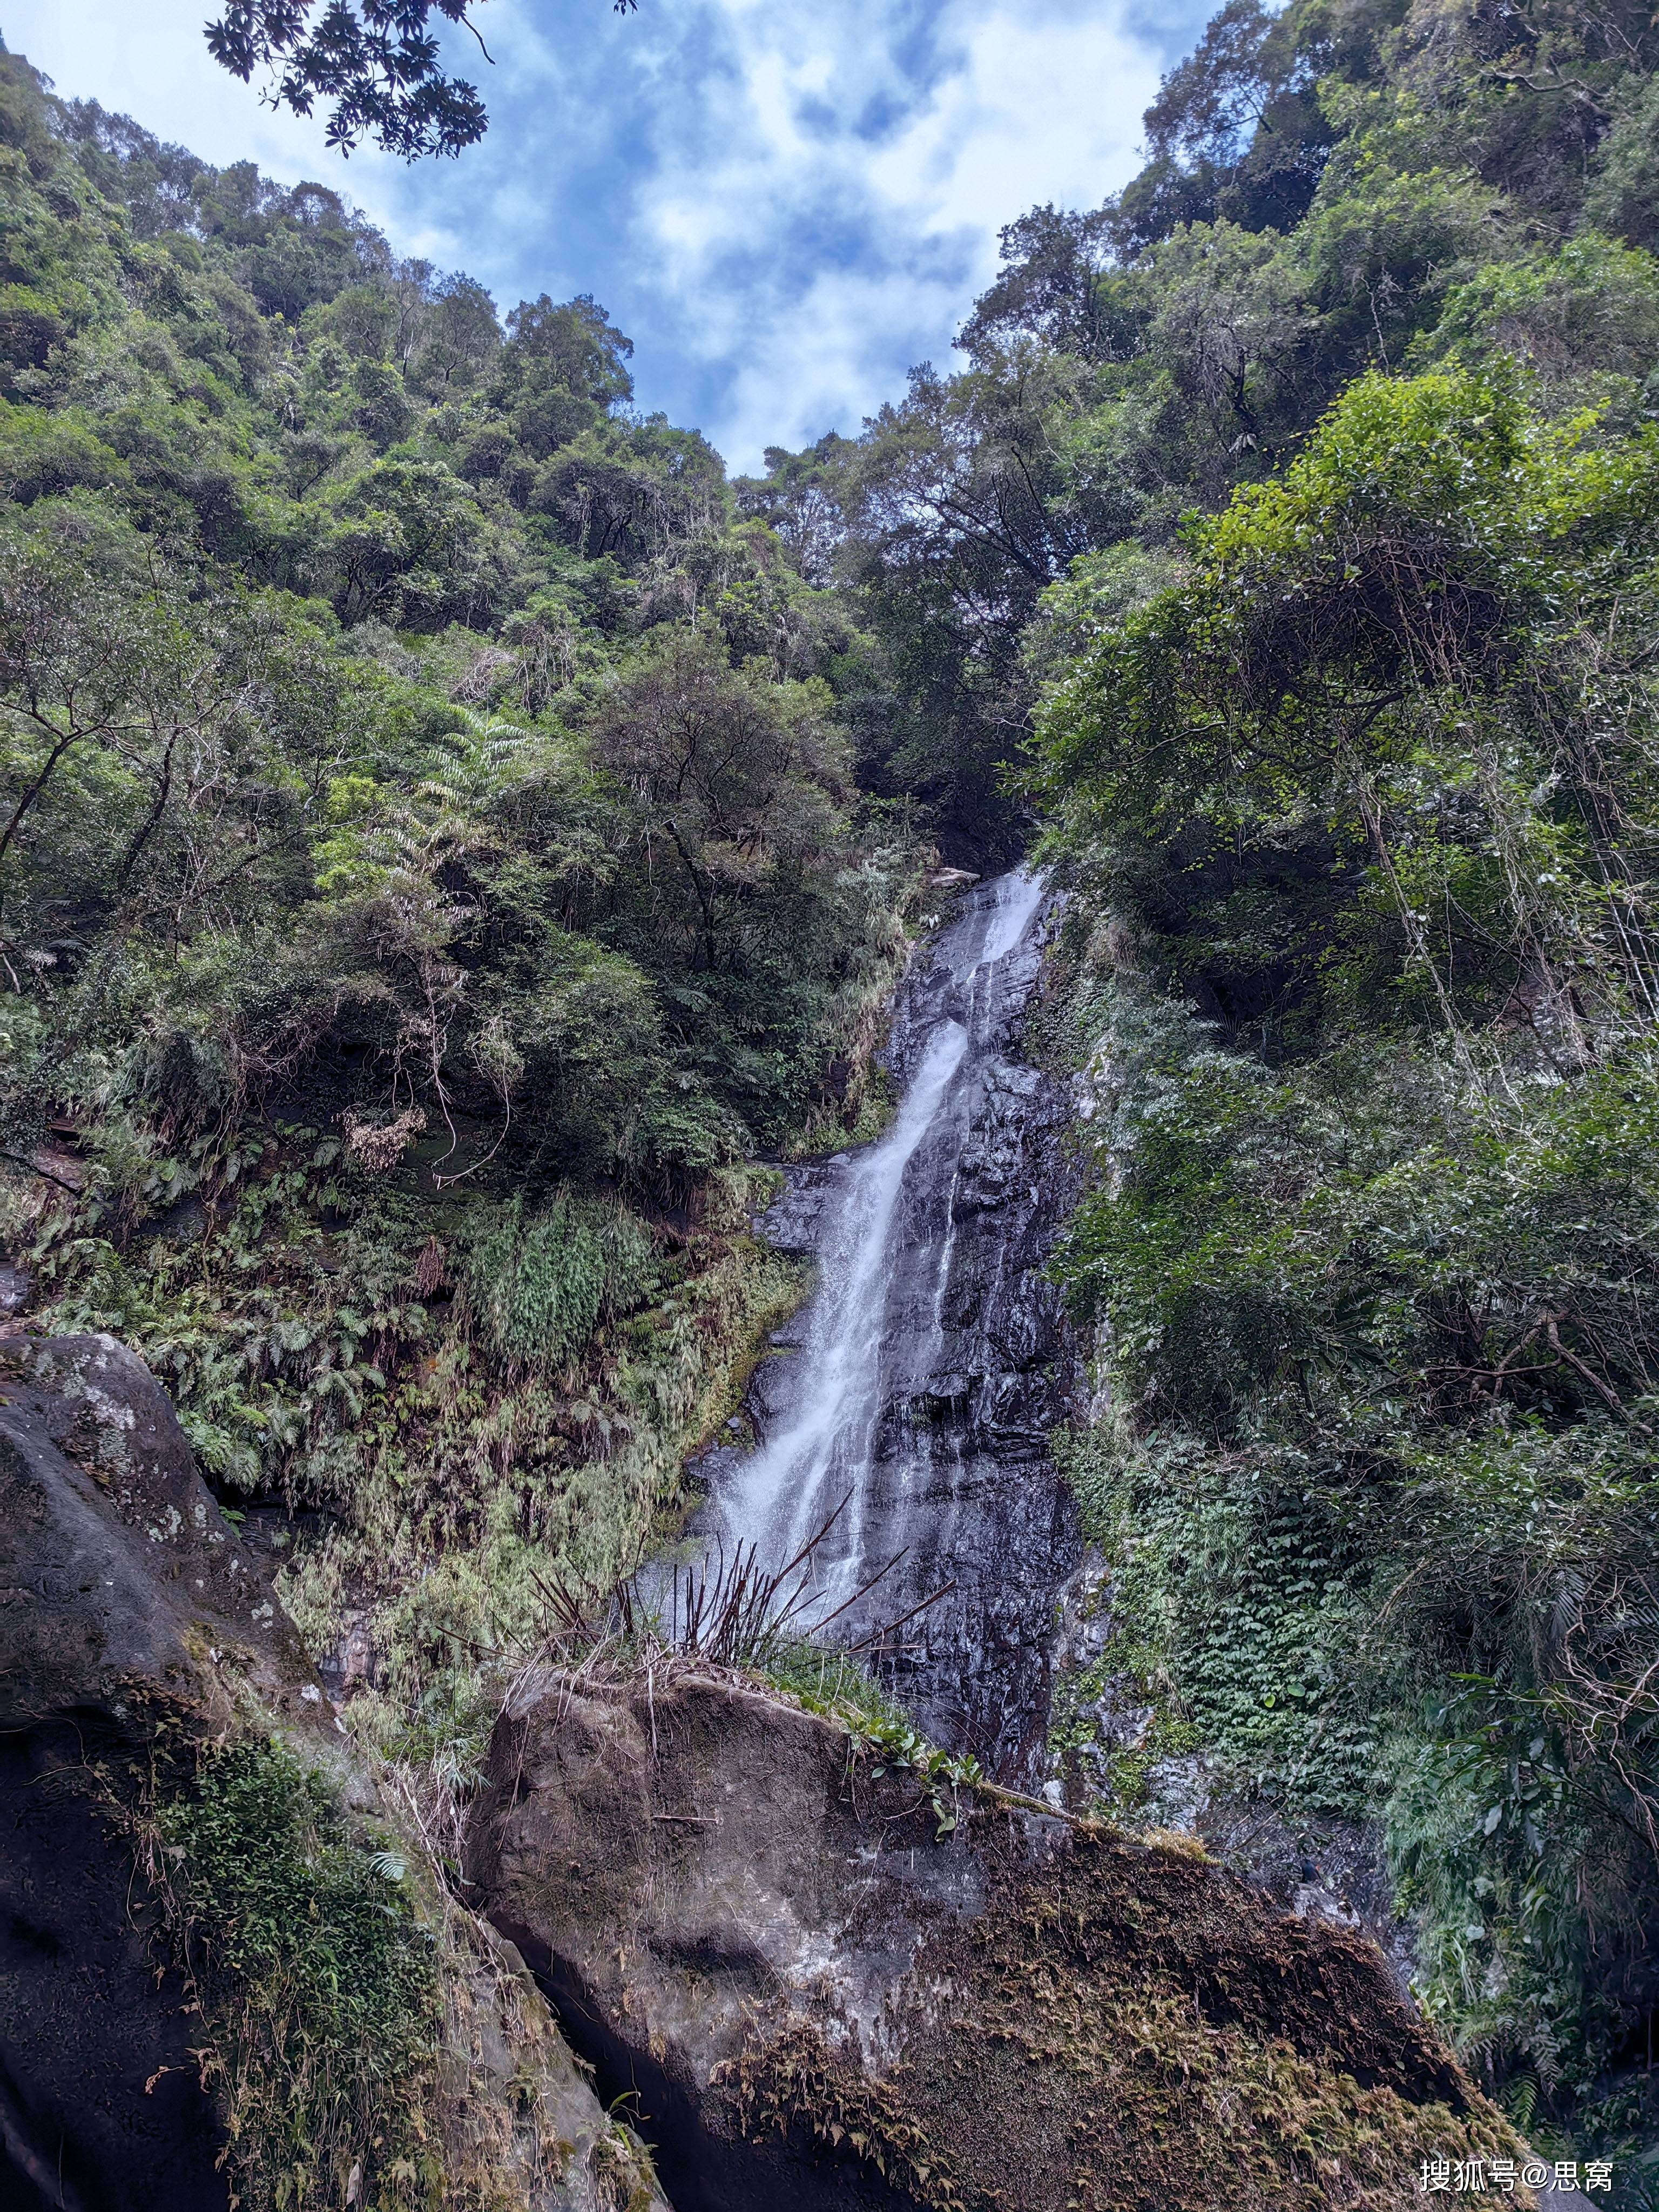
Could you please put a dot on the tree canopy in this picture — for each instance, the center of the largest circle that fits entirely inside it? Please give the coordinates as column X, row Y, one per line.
column 375, row 65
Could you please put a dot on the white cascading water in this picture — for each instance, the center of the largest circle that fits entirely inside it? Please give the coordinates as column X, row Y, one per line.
column 888, row 1217
column 782, row 1498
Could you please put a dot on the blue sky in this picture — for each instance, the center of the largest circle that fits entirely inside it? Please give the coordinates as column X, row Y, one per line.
column 785, row 204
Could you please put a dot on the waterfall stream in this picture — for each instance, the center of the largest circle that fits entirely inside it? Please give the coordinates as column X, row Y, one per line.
column 912, row 1397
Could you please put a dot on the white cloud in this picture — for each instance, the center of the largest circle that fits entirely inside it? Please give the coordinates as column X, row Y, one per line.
column 785, row 202
column 1014, row 105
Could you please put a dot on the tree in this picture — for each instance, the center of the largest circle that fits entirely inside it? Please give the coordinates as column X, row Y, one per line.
column 960, row 509
column 800, row 497
column 459, row 337
column 157, row 746
column 403, row 544
column 731, row 774
column 1401, row 695
column 376, row 62
column 1055, row 284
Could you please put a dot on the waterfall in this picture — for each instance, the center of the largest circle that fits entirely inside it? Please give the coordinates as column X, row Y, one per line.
column 823, row 1453
column 912, row 1394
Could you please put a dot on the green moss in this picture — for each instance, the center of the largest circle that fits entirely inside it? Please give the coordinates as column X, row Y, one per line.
column 317, row 1985
column 881, row 1734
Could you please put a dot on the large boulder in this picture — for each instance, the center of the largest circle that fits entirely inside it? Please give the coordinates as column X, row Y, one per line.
column 123, row 1591
column 129, row 1604
column 818, row 1994
column 117, row 1567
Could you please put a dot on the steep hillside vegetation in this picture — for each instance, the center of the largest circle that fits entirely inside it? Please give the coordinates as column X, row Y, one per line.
column 1308, row 489
column 431, row 863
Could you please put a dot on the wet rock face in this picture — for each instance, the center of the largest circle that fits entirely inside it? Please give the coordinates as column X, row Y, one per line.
column 116, row 1564
column 957, row 1362
column 813, row 2001
column 675, row 1864
column 962, row 1470
column 1003, row 1527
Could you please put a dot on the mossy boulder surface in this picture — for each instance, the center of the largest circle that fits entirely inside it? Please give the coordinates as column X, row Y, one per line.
column 818, row 1999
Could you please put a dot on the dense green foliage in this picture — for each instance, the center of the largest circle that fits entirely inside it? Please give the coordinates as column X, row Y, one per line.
column 446, row 826
column 431, row 860
column 318, row 1983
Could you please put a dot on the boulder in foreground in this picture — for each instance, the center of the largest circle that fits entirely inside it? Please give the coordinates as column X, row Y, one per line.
column 817, row 2001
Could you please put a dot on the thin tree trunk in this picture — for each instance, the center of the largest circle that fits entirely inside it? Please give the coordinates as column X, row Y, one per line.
column 32, row 794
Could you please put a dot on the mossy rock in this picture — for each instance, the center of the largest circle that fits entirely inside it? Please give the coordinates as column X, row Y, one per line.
column 820, row 1999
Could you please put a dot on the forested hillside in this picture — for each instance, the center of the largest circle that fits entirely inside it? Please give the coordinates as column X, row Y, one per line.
column 1307, row 491
column 432, row 864
column 449, row 829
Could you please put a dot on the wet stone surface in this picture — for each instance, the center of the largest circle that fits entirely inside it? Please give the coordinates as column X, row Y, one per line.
column 916, row 1390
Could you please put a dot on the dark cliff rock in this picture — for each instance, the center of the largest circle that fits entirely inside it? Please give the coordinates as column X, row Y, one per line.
column 123, row 1590
column 963, row 1363
column 817, row 2001
column 129, row 1606
column 993, row 1518
column 116, row 1564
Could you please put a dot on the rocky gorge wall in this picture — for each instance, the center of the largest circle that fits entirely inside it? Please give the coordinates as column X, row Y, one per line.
column 914, row 1395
